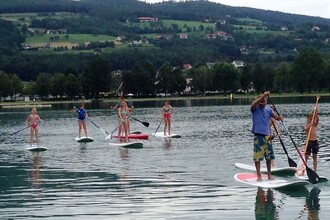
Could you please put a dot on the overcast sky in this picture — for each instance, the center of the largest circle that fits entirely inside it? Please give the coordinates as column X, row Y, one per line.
column 319, row 8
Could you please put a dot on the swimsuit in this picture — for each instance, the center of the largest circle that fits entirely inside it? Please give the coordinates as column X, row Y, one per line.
column 167, row 113
column 262, row 148
column 81, row 114
column 312, row 147
column 34, row 125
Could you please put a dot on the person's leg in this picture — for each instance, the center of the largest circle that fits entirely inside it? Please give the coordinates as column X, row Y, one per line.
column 79, row 130
column 169, row 126
column 269, row 165
column 315, row 161
column 165, row 125
column 85, row 127
column 36, row 132
column 257, row 164
column 31, row 135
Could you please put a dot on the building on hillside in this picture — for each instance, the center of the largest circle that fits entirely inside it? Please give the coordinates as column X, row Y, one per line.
column 183, row 36
column 238, row 63
column 210, row 65
column 186, row 66
column 148, row 19
column 315, row 28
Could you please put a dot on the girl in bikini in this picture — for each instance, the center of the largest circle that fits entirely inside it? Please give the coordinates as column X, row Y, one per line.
column 123, row 113
column 31, row 122
column 82, row 114
column 167, row 117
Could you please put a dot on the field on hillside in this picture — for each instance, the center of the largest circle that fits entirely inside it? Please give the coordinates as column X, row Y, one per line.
column 184, row 26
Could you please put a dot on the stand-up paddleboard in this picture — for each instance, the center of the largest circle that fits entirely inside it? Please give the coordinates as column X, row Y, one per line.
column 304, row 176
column 274, row 170
column 131, row 136
column 161, row 134
column 84, row 139
column 35, row 148
column 251, row 179
column 134, row 145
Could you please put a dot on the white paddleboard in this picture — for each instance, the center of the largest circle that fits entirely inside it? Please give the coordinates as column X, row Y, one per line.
column 84, row 139
column 135, row 144
column 161, row 134
column 251, row 179
column 35, row 148
column 305, row 176
column 274, row 170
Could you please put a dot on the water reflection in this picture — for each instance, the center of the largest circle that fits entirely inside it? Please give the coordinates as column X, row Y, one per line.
column 35, row 172
column 167, row 144
column 312, row 204
column 264, row 206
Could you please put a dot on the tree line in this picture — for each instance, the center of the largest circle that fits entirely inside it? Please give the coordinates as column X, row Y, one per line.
column 308, row 72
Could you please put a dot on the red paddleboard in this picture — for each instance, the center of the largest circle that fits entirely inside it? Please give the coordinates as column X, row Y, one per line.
column 134, row 136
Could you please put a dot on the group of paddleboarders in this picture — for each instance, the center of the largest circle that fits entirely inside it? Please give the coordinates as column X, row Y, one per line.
column 263, row 117
column 123, row 112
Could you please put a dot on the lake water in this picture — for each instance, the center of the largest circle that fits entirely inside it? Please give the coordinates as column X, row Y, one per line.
column 186, row 178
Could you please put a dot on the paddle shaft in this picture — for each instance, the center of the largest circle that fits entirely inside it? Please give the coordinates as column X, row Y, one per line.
column 291, row 162
column 310, row 128
column 20, row 130
column 159, row 125
column 99, row 127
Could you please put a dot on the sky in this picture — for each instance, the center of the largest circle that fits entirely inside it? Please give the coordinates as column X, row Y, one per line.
column 320, row 8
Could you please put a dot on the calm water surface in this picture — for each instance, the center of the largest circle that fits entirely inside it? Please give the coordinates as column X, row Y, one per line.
column 187, row 178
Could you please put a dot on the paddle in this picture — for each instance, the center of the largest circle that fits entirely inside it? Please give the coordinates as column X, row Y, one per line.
column 109, row 137
column 103, row 131
column 158, row 126
column 20, row 130
column 312, row 176
column 291, row 162
column 143, row 122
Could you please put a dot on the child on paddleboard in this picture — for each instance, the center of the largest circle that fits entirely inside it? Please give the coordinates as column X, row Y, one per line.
column 313, row 144
column 166, row 114
column 82, row 114
column 32, row 122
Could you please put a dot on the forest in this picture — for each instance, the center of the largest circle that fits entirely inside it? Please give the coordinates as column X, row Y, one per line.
column 281, row 52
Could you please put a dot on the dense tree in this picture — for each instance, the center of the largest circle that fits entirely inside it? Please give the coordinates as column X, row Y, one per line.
column 57, row 84
column 141, row 79
column 4, row 85
column 72, row 86
column 42, row 85
column 308, row 67
column 16, row 85
column 225, row 77
column 96, row 77
column 201, row 79
column 282, row 79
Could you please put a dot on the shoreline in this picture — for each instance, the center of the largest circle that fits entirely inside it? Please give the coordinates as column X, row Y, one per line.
column 48, row 104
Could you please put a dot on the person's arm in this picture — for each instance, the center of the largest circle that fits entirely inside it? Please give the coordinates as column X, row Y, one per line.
column 256, row 102
column 27, row 121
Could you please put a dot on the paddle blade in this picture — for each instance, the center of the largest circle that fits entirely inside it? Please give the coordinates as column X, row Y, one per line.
column 145, row 124
column 291, row 162
column 312, row 176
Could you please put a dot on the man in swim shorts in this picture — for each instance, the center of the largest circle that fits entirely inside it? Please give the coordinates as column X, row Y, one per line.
column 261, row 114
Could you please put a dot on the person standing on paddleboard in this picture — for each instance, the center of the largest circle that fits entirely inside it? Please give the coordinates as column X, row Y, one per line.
column 313, row 144
column 116, row 107
column 167, row 117
column 32, row 122
column 82, row 114
column 261, row 115
column 123, row 114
